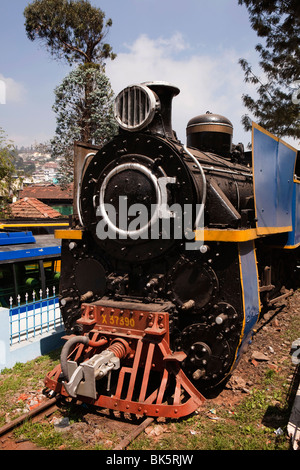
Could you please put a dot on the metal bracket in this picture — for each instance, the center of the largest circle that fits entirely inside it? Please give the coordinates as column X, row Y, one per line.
column 83, row 377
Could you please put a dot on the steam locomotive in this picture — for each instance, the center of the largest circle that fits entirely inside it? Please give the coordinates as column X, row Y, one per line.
column 173, row 253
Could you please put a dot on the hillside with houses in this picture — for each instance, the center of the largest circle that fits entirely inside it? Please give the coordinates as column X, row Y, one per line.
column 37, row 165
column 35, row 192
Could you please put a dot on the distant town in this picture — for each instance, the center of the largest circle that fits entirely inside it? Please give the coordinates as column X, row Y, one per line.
column 36, row 165
column 35, row 192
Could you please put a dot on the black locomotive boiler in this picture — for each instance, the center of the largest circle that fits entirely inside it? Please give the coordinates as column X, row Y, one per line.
column 173, row 252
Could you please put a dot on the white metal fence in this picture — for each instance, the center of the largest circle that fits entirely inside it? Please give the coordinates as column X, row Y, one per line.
column 33, row 315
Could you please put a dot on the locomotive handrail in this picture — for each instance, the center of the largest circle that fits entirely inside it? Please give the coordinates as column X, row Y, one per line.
column 197, row 163
column 231, row 172
column 79, row 187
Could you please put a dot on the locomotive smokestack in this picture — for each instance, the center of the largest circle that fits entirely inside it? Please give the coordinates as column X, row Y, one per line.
column 146, row 106
column 162, row 123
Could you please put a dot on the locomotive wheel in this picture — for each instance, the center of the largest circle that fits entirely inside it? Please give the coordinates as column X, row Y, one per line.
column 191, row 280
column 209, row 355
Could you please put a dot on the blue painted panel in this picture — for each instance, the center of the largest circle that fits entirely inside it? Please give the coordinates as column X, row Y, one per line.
column 32, row 306
column 294, row 236
column 30, row 253
column 250, row 286
column 273, row 170
column 286, row 158
column 264, row 167
column 16, row 238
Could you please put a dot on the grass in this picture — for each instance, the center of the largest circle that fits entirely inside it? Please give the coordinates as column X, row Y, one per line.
column 18, row 380
column 44, row 436
column 258, row 422
column 253, row 424
column 243, row 429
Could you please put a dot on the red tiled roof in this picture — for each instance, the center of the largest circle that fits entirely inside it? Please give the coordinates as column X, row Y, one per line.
column 31, row 208
column 47, row 191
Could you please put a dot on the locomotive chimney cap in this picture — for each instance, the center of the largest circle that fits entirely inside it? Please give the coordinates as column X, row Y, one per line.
column 162, row 84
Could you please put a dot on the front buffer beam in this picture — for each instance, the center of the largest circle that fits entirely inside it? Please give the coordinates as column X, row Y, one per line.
column 130, row 347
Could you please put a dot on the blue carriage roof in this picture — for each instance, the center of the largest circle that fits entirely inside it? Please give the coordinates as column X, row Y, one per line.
column 16, row 246
column 16, row 238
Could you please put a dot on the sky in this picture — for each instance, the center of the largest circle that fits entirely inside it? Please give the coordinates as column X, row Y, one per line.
column 192, row 44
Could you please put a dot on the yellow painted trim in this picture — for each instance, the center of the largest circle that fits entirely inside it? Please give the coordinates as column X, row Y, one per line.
column 68, row 234
column 65, row 224
column 235, row 236
column 290, row 247
column 288, row 145
column 273, row 230
column 264, row 131
column 226, row 235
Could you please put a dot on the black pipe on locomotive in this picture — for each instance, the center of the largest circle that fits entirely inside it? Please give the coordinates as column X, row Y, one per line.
column 147, row 166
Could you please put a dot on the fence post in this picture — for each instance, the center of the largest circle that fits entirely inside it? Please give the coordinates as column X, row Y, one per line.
column 4, row 337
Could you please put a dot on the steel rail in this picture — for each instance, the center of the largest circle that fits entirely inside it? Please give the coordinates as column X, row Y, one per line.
column 32, row 413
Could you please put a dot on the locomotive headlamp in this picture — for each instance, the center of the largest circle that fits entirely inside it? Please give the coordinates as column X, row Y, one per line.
column 135, row 107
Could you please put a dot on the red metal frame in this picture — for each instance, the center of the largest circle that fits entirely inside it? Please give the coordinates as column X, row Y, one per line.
column 146, row 335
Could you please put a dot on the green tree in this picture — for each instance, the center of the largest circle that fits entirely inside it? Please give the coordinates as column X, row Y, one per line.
column 276, row 106
column 72, row 30
column 74, row 123
column 9, row 179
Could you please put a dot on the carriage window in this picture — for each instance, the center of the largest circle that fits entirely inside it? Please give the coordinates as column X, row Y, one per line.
column 52, row 274
column 7, row 289
column 19, row 279
column 28, row 277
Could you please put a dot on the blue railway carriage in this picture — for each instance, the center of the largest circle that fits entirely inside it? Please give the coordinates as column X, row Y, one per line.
column 27, row 264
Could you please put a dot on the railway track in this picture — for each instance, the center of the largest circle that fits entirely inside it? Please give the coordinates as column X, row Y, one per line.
column 7, row 440
column 101, row 422
column 126, row 429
